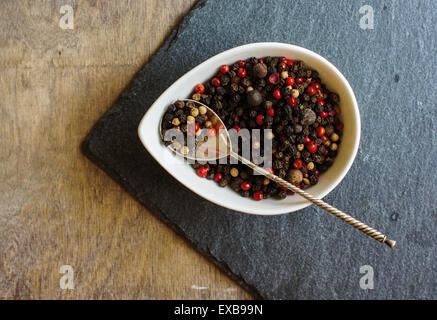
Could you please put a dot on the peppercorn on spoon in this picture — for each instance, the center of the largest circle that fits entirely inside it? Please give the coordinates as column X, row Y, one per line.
column 219, row 146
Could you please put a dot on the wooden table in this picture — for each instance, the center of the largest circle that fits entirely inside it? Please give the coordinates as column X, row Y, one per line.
column 56, row 207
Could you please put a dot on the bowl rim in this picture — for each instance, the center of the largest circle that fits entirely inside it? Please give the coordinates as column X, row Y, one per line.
column 245, row 48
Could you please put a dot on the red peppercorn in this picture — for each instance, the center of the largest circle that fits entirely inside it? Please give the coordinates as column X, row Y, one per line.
column 282, row 66
column 311, row 90
column 200, row 88
column 323, row 114
column 292, row 102
column 215, row 82
column 290, row 62
column 270, row 170
column 321, row 102
column 196, row 127
column 297, row 164
column 277, row 94
column 224, row 68
column 325, row 153
column 316, row 85
column 241, row 72
column 307, row 140
column 218, row 177
column 339, row 126
column 274, row 78
column 283, row 58
column 237, row 128
column 320, row 131
column 299, row 80
column 212, row 132
column 290, row 81
column 202, row 172
column 242, row 63
column 257, row 196
column 261, row 60
column 311, row 147
column 246, row 186
column 259, row 119
column 271, row 112
column 332, row 113
column 317, row 173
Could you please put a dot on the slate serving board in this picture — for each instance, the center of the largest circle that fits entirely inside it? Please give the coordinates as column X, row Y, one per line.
column 391, row 186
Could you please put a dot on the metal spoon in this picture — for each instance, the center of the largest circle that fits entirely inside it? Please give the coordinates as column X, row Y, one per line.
column 219, row 146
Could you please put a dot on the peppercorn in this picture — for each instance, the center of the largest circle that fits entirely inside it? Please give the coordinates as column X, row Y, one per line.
column 180, row 104
column 311, row 147
column 334, row 147
column 234, row 172
column 282, row 194
column 309, row 117
column 202, row 172
column 310, row 166
column 223, row 182
column 260, row 119
column 175, row 122
column 257, row 196
column 246, row 186
column 241, row 72
column 218, row 176
column 320, row 131
column 254, row 98
column 277, row 94
column 260, row 70
column 202, row 110
column 334, row 137
column 314, row 179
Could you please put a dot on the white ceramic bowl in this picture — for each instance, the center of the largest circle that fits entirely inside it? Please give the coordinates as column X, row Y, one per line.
column 148, row 130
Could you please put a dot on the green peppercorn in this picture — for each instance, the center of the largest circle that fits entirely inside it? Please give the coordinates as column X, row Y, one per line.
column 202, row 110
column 310, row 165
column 194, row 112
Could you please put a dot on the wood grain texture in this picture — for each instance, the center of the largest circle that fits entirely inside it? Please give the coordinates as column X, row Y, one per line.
column 56, row 207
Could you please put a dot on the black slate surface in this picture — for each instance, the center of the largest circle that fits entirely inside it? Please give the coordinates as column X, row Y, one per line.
column 391, row 186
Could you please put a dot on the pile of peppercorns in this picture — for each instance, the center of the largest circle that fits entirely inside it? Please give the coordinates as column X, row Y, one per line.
column 270, row 93
column 188, row 118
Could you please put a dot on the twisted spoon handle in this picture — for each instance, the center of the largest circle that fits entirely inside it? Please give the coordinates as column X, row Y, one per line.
column 375, row 234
